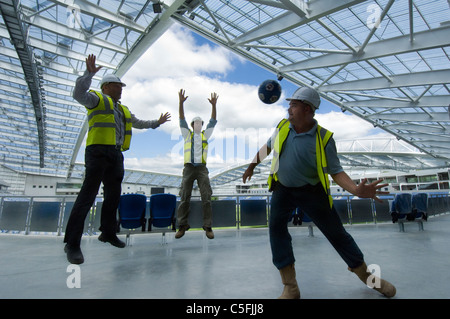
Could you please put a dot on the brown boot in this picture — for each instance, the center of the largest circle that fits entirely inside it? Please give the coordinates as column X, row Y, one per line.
column 380, row 285
column 290, row 290
column 208, row 232
column 181, row 231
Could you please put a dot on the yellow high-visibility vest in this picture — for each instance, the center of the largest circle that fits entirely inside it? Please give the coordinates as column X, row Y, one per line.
column 102, row 126
column 188, row 142
column 322, row 138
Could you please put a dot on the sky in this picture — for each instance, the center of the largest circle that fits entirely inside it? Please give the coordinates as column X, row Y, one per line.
column 180, row 59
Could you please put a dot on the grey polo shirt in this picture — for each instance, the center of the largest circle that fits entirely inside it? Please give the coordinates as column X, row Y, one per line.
column 297, row 165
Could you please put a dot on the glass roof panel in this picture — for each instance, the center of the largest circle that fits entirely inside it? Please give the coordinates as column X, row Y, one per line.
column 330, row 47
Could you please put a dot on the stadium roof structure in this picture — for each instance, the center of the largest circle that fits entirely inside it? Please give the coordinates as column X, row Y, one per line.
column 387, row 154
column 385, row 61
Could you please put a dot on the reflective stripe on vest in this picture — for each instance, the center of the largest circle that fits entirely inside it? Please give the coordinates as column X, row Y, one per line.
column 102, row 125
column 322, row 138
column 280, row 138
column 188, row 142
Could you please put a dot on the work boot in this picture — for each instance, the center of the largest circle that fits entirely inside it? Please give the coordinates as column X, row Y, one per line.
column 181, row 231
column 209, row 232
column 380, row 285
column 74, row 254
column 112, row 239
column 291, row 290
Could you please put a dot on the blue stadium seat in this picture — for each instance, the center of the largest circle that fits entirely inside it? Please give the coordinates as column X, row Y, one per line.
column 132, row 212
column 400, row 207
column 406, row 207
column 299, row 217
column 162, row 212
column 420, row 205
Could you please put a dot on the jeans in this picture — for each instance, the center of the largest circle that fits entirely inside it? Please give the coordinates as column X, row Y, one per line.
column 190, row 174
column 314, row 202
column 104, row 163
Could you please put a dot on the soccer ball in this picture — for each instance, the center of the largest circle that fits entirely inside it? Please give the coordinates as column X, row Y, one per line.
column 269, row 91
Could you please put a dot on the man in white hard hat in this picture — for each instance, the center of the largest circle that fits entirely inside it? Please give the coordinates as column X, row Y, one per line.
column 304, row 154
column 195, row 154
column 109, row 134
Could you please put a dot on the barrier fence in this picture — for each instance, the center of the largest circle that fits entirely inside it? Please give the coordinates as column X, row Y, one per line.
column 43, row 214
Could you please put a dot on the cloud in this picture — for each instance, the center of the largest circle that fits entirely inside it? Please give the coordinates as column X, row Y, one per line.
column 176, row 61
column 344, row 126
column 162, row 163
column 176, row 55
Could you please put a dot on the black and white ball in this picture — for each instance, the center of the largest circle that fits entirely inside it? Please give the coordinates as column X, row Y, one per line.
column 269, row 91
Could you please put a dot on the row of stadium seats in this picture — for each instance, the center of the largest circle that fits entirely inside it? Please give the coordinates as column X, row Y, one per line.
column 39, row 214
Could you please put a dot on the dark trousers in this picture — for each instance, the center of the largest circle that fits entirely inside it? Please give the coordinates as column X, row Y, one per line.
column 104, row 163
column 190, row 174
column 314, row 202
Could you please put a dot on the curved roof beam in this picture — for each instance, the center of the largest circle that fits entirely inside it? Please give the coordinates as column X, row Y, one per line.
column 424, row 40
column 292, row 19
column 15, row 26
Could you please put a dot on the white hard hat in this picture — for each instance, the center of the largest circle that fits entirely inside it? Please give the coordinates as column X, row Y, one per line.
column 195, row 119
column 308, row 95
column 111, row 78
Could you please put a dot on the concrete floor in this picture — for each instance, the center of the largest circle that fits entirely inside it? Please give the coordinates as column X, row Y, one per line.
column 235, row 265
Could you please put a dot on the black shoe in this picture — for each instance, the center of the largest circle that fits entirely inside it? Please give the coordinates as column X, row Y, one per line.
column 74, row 254
column 113, row 240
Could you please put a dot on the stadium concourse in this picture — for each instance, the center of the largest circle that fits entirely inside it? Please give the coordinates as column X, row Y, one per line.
column 235, row 265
